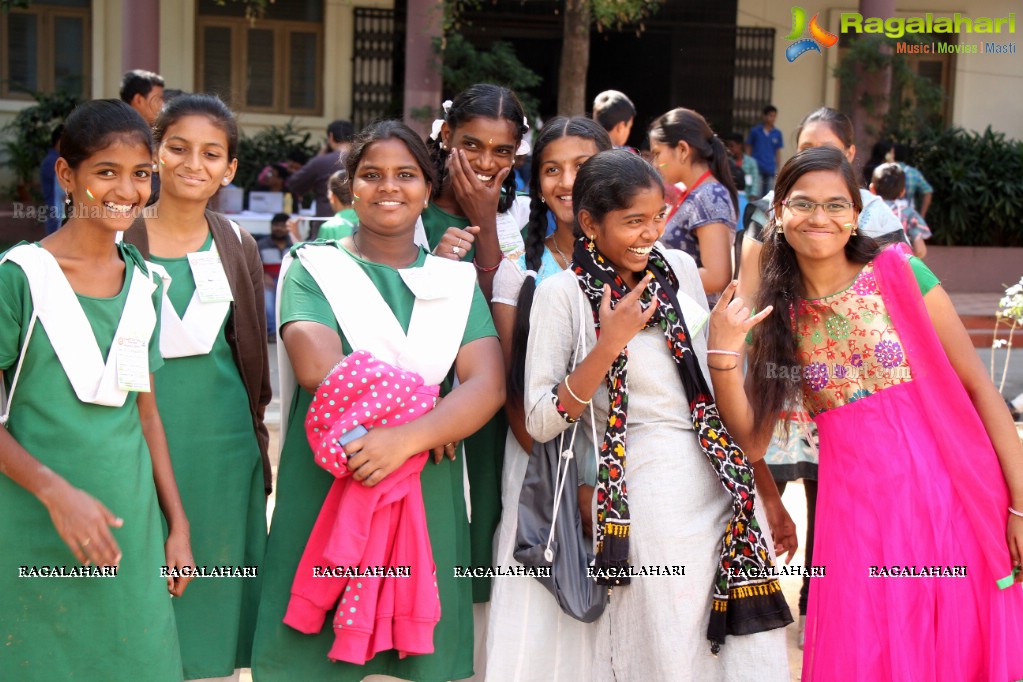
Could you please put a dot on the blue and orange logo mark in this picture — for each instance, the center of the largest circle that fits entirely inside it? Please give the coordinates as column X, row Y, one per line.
column 818, row 36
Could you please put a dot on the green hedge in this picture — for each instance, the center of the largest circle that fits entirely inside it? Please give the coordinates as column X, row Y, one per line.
column 270, row 145
column 978, row 187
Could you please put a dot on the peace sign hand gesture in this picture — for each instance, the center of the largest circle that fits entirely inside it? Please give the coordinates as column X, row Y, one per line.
column 730, row 321
column 629, row 316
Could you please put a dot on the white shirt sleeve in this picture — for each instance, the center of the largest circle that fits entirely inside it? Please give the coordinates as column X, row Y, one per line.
column 508, row 281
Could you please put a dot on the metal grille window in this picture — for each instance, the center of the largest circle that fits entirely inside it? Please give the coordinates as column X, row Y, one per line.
column 373, row 65
column 273, row 64
column 754, row 64
column 30, row 60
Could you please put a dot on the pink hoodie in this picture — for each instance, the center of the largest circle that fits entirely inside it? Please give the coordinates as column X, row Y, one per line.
column 362, row 528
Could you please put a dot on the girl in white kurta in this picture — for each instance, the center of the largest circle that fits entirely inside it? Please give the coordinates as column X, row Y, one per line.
column 656, row 627
column 529, row 639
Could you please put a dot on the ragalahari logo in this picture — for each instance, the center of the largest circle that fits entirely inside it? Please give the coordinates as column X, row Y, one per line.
column 818, row 36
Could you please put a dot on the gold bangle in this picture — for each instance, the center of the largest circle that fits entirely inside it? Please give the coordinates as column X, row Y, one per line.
column 574, row 396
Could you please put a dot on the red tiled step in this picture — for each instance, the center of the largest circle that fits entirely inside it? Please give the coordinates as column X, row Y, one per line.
column 981, row 329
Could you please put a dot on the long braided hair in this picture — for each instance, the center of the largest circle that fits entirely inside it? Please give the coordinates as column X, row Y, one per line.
column 487, row 101
column 774, row 343
column 536, row 232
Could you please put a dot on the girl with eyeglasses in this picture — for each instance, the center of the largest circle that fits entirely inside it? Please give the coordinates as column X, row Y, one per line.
column 792, row 453
column 824, row 127
column 919, row 527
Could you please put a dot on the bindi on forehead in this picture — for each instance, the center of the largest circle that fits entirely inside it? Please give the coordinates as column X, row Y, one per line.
column 500, row 130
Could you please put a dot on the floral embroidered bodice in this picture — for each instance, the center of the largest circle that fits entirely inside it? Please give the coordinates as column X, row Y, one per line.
column 846, row 346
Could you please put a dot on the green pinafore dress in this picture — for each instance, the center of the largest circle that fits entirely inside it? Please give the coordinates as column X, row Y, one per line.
column 217, row 465
column 81, row 628
column 281, row 653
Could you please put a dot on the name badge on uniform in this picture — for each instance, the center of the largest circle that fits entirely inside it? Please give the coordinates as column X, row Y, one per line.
column 509, row 236
column 132, row 363
column 210, row 279
column 693, row 313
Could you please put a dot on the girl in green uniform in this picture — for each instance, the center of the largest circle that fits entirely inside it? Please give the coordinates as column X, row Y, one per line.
column 475, row 215
column 83, row 454
column 391, row 176
column 216, row 383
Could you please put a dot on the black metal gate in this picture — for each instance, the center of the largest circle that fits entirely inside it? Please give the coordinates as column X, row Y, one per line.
column 754, row 66
column 373, row 80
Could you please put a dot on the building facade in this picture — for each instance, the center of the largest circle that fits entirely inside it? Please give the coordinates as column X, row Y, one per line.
column 311, row 61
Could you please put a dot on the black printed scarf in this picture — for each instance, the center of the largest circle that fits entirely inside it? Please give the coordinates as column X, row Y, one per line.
column 747, row 597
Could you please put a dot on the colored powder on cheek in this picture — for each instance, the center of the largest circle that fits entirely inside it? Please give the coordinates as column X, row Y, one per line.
column 88, row 193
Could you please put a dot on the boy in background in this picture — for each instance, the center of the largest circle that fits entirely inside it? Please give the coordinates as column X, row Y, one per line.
column 764, row 144
column 889, row 183
column 615, row 113
column 272, row 248
column 314, row 175
column 747, row 164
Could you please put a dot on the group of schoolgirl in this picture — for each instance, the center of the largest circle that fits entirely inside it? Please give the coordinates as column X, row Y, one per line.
column 422, row 356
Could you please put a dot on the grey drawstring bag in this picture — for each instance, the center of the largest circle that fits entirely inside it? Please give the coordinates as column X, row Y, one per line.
column 549, row 536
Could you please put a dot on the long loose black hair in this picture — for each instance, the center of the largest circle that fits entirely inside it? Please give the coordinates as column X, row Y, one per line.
column 774, row 343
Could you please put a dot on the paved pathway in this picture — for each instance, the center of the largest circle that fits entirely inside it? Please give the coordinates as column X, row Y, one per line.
column 794, row 498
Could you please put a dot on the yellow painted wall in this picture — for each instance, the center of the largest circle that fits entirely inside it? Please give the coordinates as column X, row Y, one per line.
column 987, row 88
column 177, row 59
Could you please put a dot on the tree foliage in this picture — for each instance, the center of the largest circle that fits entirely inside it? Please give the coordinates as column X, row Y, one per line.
column 914, row 102
column 621, row 13
column 465, row 65
column 26, row 138
column 605, row 13
column 978, row 199
column 270, row 145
